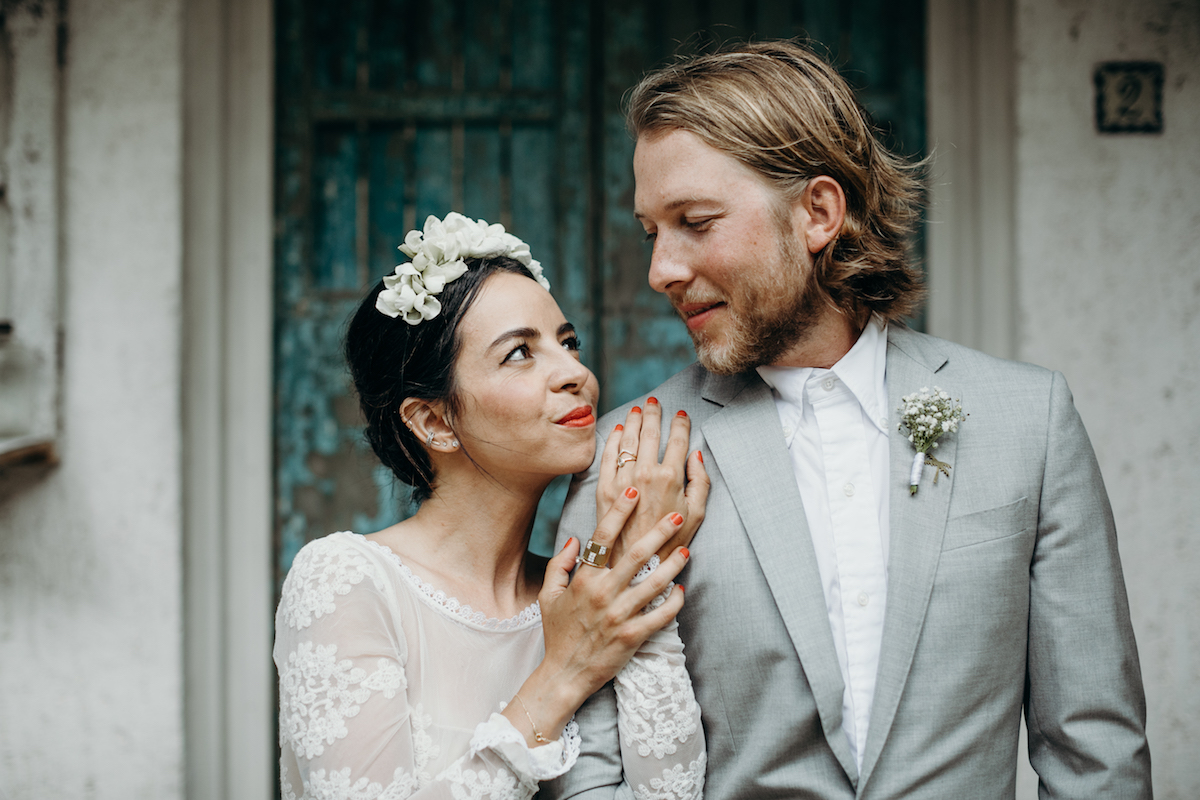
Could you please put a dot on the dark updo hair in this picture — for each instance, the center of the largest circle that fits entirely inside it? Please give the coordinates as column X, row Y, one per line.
column 390, row 361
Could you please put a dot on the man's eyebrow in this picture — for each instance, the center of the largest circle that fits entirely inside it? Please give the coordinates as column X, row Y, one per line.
column 679, row 203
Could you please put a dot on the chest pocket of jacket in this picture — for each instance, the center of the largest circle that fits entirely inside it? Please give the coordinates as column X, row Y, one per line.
column 990, row 524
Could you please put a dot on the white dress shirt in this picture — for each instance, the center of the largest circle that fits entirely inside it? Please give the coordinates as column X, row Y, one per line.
column 835, row 424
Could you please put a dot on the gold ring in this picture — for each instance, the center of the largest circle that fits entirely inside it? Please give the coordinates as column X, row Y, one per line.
column 624, row 457
column 594, row 554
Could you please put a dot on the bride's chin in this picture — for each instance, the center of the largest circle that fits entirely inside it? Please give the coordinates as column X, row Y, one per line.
column 582, row 463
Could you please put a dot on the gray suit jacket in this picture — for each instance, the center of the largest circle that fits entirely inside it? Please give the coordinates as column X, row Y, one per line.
column 1004, row 590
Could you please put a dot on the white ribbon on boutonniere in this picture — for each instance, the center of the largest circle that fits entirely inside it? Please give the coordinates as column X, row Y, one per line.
column 926, row 415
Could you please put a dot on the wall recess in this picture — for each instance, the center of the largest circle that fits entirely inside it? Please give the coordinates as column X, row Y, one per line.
column 30, row 91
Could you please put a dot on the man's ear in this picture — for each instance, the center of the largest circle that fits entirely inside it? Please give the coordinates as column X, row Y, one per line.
column 428, row 423
column 820, row 212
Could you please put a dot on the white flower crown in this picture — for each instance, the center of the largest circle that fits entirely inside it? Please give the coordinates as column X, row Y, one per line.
column 438, row 255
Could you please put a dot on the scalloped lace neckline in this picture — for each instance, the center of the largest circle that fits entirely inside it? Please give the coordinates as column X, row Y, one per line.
column 450, row 605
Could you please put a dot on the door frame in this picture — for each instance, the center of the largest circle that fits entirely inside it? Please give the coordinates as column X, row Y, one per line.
column 228, row 220
column 970, row 102
column 228, row 224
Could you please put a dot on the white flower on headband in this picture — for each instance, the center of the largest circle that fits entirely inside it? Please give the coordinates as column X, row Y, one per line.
column 438, row 254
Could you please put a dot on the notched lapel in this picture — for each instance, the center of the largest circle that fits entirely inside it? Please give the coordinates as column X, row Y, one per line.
column 746, row 441
column 917, row 525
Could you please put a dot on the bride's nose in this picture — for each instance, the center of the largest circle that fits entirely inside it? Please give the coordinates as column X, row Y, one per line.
column 570, row 375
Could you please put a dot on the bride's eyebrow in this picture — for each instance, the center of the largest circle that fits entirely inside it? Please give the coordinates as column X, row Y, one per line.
column 527, row 333
column 515, row 333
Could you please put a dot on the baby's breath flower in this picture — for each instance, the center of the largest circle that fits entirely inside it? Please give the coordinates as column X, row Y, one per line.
column 926, row 416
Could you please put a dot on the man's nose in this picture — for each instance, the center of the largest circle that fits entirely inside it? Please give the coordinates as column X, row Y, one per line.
column 668, row 263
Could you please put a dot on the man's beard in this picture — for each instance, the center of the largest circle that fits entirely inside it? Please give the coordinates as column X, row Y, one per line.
column 769, row 312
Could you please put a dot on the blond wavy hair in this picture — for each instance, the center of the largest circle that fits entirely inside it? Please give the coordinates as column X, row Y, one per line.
column 783, row 111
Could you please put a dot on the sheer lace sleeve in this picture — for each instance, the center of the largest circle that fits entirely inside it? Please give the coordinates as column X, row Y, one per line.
column 347, row 730
column 662, row 743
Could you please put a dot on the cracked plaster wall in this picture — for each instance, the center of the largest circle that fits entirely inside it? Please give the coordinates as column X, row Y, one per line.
column 1108, row 276
column 91, row 626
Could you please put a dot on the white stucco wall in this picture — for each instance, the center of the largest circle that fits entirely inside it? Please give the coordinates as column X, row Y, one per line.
column 1108, row 284
column 90, row 575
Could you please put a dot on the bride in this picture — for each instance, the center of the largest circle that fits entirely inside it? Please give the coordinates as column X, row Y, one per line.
column 432, row 659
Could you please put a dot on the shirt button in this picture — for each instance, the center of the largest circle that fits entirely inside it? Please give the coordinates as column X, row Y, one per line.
column 787, row 431
column 863, row 598
column 849, row 489
column 883, row 422
column 828, row 384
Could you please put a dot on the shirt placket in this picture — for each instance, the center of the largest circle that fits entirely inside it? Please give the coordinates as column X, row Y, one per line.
column 854, row 523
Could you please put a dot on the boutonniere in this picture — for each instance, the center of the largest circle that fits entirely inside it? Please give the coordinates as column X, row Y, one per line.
column 926, row 416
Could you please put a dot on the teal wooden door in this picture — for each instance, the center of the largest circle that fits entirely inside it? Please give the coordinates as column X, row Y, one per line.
column 390, row 110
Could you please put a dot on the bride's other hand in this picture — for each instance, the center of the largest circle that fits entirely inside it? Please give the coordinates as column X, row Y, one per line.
column 594, row 623
column 678, row 484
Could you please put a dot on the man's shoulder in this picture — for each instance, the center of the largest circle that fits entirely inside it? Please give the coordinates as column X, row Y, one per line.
column 681, row 391
column 959, row 359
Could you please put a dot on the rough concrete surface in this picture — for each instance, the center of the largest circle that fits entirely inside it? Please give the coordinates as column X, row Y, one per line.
column 90, row 586
column 1109, row 293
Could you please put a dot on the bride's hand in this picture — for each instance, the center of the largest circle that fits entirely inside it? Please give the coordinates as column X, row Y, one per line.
column 593, row 623
column 678, row 484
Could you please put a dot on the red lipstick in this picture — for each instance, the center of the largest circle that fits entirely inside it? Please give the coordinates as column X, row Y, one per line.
column 579, row 418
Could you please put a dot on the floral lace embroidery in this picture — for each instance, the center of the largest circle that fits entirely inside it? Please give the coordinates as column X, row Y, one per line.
column 322, row 570
column 676, row 783
column 337, row 786
column 285, row 783
column 542, row 763
column 318, row 693
column 572, row 743
column 424, row 750
column 439, row 599
column 656, row 706
column 644, row 573
column 469, row 784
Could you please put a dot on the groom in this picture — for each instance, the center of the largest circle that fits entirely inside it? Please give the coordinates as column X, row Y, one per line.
column 847, row 638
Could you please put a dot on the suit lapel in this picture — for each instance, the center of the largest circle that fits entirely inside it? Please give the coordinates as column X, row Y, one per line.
column 917, row 525
column 746, row 441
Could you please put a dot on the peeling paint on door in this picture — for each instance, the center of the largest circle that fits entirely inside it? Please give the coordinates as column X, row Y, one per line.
column 510, row 111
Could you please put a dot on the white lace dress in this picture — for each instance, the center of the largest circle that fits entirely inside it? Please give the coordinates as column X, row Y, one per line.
column 388, row 689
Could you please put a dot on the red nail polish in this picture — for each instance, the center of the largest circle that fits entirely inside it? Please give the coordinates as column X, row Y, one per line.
column 619, row 428
column 700, row 456
column 631, row 492
column 636, row 410
column 569, row 540
column 678, row 520
column 681, row 413
column 685, row 552
column 680, row 585
column 651, row 401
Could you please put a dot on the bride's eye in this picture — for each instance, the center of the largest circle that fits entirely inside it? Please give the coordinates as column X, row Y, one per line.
column 518, row 353
column 571, row 343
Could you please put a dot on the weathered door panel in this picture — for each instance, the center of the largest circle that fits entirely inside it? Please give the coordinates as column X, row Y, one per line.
column 388, row 111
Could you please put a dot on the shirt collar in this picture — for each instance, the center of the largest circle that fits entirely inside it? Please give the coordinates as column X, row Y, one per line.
column 862, row 370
